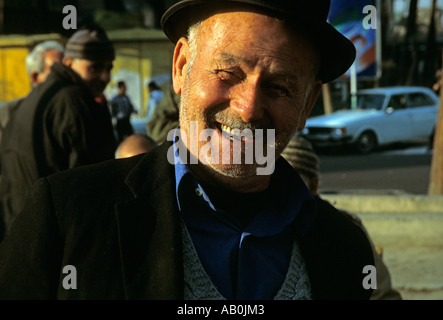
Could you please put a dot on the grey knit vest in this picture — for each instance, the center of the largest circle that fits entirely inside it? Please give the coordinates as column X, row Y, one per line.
column 198, row 285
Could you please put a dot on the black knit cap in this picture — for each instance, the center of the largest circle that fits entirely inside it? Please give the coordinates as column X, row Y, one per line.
column 301, row 156
column 91, row 43
column 337, row 53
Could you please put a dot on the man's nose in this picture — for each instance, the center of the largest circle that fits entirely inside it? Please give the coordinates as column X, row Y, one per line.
column 246, row 101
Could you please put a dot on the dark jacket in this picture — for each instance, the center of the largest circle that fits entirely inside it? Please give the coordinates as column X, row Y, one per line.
column 118, row 224
column 58, row 126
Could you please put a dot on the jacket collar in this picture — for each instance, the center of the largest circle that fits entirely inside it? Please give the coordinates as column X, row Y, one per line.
column 149, row 230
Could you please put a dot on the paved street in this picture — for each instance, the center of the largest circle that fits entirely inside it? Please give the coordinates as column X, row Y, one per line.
column 398, row 169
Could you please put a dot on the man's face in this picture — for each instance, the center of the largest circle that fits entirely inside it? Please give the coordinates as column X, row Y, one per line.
column 250, row 72
column 122, row 89
column 50, row 56
column 96, row 74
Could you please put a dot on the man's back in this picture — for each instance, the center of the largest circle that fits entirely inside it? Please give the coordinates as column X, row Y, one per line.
column 58, row 126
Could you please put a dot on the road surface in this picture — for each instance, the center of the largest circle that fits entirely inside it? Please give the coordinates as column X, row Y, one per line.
column 398, row 169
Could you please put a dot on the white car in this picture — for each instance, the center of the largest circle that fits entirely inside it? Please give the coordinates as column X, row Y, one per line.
column 382, row 116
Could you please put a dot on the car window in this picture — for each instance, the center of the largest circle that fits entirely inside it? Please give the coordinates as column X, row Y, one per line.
column 419, row 100
column 370, row 101
column 397, row 102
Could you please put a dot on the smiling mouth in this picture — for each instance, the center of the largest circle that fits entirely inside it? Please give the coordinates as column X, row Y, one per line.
column 235, row 134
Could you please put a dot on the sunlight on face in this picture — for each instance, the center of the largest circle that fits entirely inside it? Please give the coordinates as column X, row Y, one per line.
column 243, row 79
column 96, row 74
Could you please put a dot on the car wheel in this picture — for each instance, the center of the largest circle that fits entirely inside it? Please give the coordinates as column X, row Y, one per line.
column 366, row 142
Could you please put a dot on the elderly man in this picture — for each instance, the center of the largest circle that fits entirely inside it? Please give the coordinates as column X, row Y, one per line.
column 59, row 125
column 189, row 220
column 38, row 65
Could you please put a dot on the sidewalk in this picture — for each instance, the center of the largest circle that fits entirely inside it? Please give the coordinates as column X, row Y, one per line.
column 409, row 228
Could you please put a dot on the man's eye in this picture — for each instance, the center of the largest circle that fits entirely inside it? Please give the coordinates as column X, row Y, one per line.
column 226, row 75
column 93, row 69
column 96, row 68
column 278, row 91
column 229, row 76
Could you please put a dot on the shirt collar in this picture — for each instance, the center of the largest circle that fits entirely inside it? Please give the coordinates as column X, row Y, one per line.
column 290, row 189
column 181, row 171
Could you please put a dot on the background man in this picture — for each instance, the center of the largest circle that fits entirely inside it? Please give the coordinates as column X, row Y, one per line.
column 59, row 125
column 155, row 96
column 122, row 109
column 147, row 228
column 38, row 66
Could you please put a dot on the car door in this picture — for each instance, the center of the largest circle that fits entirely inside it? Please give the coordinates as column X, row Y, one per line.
column 423, row 112
column 396, row 122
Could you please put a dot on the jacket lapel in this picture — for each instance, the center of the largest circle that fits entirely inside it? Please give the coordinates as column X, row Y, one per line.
column 149, row 231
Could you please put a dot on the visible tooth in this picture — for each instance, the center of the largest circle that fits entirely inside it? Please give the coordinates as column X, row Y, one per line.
column 226, row 129
column 231, row 131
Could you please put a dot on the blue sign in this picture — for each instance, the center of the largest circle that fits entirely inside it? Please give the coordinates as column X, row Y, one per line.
column 357, row 20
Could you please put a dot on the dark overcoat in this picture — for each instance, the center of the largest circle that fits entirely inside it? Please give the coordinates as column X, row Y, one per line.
column 58, row 126
column 118, row 224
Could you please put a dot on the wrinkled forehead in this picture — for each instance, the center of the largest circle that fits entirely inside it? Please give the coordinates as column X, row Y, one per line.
column 249, row 33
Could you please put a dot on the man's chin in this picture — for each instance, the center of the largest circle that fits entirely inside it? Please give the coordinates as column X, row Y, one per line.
column 236, row 177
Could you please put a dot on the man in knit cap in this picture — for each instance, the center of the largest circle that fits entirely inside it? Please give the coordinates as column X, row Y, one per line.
column 62, row 123
column 302, row 157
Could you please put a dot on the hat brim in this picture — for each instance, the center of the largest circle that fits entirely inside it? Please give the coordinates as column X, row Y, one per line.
column 337, row 53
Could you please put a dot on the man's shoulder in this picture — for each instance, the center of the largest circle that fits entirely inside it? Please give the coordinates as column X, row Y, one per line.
column 94, row 178
column 336, row 251
column 334, row 229
column 111, row 177
column 55, row 89
column 63, row 82
column 331, row 219
column 115, row 97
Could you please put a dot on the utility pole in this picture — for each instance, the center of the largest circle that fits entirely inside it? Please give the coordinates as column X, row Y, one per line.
column 327, row 100
column 436, row 176
column 432, row 56
column 410, row 45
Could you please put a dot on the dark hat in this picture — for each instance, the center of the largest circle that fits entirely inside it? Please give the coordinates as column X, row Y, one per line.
column 90, row 43
column 337, row 53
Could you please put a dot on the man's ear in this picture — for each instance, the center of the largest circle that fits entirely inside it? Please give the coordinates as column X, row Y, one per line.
column 34, row 78
column 310, row 102
column 180, row 64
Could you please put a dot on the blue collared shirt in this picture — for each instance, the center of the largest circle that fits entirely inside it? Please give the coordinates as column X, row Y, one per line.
column 245, row 262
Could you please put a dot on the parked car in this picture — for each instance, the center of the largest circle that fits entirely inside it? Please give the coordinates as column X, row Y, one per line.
column 382, row 116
